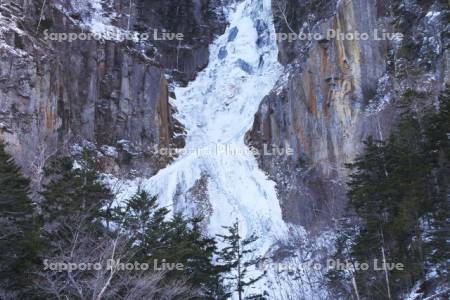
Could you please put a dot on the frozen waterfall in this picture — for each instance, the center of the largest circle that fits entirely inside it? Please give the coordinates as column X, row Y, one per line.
column 217, row 109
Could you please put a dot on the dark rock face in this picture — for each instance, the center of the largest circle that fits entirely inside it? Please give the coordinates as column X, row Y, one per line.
column 338, row 91
column 201, row 201
column 198, row 20
column 111, row 97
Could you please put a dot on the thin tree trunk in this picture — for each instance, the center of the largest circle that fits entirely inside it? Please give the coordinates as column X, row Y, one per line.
column 111, row 275
column 239, row 266
column 386, row 272
column 355, row 286
column 41, row 16
column 283, row 14
column 129, row 15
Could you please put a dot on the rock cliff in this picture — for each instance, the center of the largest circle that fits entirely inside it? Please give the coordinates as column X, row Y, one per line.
column 341, row 86
column 110, row 96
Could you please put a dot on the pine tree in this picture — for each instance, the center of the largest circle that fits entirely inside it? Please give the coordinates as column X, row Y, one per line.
column 343, row 282
column 235, row 259
column 399, row 190
column 185, row 243
column 178, row 240
column 437, row 149
column 74, row 196
column 370, row 195
column 144, row 222
column 73, row 211
column 388, row 193
column 19, row 227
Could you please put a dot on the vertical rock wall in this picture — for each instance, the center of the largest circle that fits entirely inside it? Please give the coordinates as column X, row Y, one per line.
column 111, row 97
column 338, row 91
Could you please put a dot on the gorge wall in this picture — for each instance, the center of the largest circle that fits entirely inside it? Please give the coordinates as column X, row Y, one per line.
column 336, row 92
column 110, row 96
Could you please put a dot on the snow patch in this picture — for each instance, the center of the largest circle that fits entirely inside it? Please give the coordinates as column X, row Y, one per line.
column 109, row 151
column 96, row 19
column 433, row 14
column 378, row 104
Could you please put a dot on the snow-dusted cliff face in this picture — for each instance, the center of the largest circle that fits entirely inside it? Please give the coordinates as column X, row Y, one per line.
column 112, row 96
column 339, row 91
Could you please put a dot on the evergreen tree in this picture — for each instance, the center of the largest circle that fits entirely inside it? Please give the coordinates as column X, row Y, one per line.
column 73, row 211
column 343, row 281
column 399, row 191
column 144, row 223
column 437, row 149
column 178, row 240
column 236, row 260
column 185, row 243
column 74, row 196
column 19, row 228
column 388, row 193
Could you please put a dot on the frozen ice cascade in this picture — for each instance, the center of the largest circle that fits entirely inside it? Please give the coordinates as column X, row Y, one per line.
column 218, row 108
